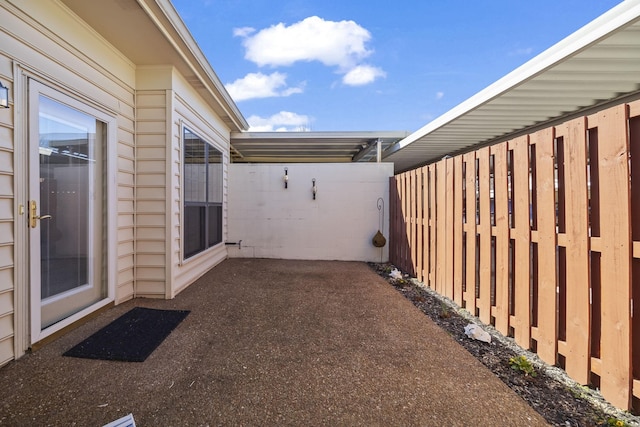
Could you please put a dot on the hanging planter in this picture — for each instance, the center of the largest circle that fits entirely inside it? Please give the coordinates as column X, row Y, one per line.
column 379, row 240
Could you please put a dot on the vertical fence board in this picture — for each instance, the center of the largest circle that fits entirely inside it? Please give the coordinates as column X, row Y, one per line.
column 408, row 265
column 484, row 230
column 440, row 207
column 577, row 350
column 419, row 225
column 400, row 222
column 448, row 197
column 521, row 233
column 501, row 201
column 393, row 235
column 634, row 145
column 433, row 235
column 470, row 280
column 546, row 226
column 406, row 196
column 457, row 231
column 613, row 149
column 403, row 223
column 426, row 227
column 411, row 175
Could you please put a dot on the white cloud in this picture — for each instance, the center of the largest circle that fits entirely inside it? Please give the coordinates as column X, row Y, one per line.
column 281, row 122
column 340, row 44
column 362, row 75
column 439, row 95
column 243, row 32
column 258, row 85
column 522, row 51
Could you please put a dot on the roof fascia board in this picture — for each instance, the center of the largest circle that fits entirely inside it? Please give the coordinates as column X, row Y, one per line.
column 612, row 21
column 318, row 135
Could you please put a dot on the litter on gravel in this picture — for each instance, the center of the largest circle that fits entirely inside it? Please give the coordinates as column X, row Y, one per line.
column 477, row 333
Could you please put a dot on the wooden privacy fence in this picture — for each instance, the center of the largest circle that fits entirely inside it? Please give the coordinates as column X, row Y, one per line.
column 540, row 237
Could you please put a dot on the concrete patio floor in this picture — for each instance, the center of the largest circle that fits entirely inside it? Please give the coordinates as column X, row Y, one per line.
column 271, row 342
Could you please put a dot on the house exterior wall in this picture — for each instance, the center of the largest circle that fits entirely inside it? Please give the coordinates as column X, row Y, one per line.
column 191, row 111
column 7, row 218
column 166, row 104
column 274, row 222
column 151, row 192
column 45, row 42
column 48, row 43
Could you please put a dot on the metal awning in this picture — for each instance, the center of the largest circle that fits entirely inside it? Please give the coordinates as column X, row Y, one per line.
column 306, row 147
column 596, row 64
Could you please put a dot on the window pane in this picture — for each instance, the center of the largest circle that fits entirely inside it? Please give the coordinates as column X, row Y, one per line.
column 194, row 230
column 203, row 194
column 215, row 176
column 72, row 250
column 215, row 225
column 195, row 168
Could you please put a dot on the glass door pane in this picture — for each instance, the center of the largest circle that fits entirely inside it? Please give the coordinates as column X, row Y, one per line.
column 70, row 154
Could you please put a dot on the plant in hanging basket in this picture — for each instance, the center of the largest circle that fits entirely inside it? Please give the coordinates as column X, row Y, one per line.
column 379, row 240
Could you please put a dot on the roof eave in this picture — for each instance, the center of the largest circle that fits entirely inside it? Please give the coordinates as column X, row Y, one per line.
column 182, row 39
column 610, row 22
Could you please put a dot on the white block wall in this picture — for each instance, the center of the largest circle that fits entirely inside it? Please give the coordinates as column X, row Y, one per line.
column 274, row 222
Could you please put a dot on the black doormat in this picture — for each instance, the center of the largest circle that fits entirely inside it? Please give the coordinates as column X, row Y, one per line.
column 130, row 338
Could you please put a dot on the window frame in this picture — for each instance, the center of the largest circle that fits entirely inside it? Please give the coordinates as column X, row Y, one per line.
column 212, row 210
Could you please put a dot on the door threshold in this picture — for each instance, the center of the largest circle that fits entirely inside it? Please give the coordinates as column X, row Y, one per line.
column 54, row 336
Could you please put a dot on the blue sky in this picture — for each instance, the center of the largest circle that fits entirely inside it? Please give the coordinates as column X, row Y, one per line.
column 328, row 65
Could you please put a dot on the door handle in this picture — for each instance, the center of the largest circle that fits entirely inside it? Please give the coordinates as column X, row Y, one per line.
column 33, row 214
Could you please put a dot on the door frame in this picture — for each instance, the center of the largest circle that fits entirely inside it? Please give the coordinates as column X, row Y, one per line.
column 27, row 319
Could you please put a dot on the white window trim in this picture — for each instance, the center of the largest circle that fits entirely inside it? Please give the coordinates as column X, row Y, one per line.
column 211, row 141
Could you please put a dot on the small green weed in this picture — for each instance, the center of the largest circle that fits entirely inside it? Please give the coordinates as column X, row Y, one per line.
column 522, row 364
column 445, row 313
column 614, row 422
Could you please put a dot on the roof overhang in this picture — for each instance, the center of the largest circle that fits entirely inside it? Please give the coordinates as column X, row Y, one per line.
column 151, row 33
column 305, row 147
column 596, row 64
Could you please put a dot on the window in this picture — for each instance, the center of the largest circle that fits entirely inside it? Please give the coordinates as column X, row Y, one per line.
column 202, row 220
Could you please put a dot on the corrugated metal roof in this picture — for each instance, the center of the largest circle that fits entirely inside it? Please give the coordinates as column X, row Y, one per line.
column 597, row 63
column 300, row 147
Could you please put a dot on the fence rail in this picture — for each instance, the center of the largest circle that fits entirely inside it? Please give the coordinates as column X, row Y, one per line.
column 540, row 237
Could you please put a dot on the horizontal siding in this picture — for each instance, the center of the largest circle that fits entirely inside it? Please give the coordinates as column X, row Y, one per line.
column 7, row 226
column 6, row 349
column 151, row 194
column 58, row 50
column 125, row 206
column 52, row 42
column 6, row 278
column 6, row 161
column 188, row 108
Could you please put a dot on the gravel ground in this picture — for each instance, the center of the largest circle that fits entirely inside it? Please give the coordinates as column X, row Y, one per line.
column 560, row 400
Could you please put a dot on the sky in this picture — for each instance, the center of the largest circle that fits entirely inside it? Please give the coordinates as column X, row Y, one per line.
column 351, row 65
